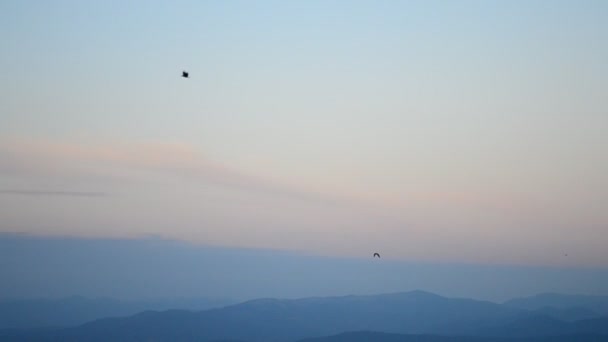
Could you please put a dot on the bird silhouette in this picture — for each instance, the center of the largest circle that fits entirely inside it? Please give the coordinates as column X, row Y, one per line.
column 376, row 255
column 184, row 74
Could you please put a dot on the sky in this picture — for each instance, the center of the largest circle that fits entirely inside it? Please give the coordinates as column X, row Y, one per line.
column 153, row 268
column 430, row 131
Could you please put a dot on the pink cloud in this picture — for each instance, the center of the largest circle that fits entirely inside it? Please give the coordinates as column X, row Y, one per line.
column 131, row 161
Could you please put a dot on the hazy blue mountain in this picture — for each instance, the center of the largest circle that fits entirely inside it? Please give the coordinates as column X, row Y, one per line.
column 598, row 304
column 568, row 314
column 72, row 311
column 273, row 319
column 385, row 337
column 287, row 320
column 414, row 313
column 159, row 268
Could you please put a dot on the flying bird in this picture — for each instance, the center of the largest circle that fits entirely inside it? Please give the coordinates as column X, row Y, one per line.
column 184, row 74
column 376, row 255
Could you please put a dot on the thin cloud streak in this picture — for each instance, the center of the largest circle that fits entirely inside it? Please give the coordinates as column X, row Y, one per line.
column 174, row 191
column 53, row 193
column 134, row 162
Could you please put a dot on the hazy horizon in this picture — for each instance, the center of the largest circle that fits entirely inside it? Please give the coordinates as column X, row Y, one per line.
column 153, row 268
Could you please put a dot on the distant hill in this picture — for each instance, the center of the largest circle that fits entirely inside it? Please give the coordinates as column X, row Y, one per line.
column 384, row 337
column 286, row 320
column 414, row 312
column 275, row 320
column 72, row 311
column 597, row 304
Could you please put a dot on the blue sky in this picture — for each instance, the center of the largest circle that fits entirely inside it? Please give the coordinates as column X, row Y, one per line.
column 463, row 131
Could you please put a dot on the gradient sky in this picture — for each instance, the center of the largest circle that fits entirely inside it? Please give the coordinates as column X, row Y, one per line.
column 460, row 131
column 56, row 267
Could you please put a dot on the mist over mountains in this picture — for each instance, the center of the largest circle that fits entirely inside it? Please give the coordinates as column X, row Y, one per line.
column 548, row 301
column 406, row 316
column 144, row 268
column 76, row 310
column 118, row 277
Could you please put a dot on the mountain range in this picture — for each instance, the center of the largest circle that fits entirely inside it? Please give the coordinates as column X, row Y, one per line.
column 543, row 301
column 77, row 310
column 408, row 316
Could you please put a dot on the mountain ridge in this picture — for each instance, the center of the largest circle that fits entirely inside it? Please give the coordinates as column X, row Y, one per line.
column 285, row 320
